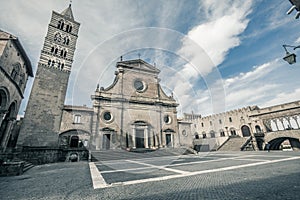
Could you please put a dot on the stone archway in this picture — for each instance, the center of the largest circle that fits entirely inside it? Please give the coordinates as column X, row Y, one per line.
column 6, row 125
column 74, row 138
column 276, row 144
column 245, row 131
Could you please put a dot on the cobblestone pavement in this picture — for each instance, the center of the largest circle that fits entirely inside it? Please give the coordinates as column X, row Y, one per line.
column 217, row 175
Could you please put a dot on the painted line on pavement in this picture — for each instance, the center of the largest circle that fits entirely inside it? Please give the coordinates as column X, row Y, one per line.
column 196, row 173
column 97, row 178
column 159, row 167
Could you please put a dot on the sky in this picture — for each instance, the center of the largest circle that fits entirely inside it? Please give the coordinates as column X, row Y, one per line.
column 214, row 56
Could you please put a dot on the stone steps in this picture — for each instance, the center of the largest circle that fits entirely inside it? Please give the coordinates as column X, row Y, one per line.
column 234, row 144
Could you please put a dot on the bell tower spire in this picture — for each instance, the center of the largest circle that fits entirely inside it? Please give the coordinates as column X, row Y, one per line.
column 44, row 110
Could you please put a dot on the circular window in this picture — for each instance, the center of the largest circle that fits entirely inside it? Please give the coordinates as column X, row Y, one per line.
column 107, row 116
column 167, row 119
column 139, row 85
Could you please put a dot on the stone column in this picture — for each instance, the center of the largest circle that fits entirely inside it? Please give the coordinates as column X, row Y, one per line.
column 295, row 118
column 254, row 143
column 288, row 119
column 146, row 137
column 277, row 129
column 133, row 138
column 151, row 135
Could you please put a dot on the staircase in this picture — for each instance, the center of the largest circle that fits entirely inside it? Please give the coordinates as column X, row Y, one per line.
column 234, row 144
column 119, row 154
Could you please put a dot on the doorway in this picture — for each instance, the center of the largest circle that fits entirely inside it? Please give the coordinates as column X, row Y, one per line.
column 139, row 138
column 106, row 141
column 169, row 140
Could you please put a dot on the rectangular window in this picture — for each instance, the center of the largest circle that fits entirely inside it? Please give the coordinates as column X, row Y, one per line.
column 202, row 124
column 77, row 119
column 220, row 121
column 210, row 122
column 230, row 120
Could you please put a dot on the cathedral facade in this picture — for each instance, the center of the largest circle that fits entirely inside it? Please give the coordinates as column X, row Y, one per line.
column 133, row 112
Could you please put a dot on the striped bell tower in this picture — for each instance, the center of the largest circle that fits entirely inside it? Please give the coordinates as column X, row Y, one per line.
column 41, row 124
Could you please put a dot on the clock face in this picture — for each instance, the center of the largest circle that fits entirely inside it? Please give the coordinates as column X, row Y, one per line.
column 139, row 86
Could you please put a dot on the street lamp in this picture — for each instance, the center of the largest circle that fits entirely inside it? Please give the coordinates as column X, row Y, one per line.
column 295, row 6
column 290, row 57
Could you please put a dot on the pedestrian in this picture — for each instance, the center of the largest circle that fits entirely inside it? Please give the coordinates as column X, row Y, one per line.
column 267, row 147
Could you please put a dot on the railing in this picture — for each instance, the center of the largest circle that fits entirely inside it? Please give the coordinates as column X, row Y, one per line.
column 259, row 134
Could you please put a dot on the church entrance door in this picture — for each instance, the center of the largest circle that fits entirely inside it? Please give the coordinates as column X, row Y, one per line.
column 106, row 141
column 140, row 138
column 168, row 140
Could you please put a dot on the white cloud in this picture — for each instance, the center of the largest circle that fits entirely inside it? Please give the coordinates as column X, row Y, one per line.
column 226, row 21
column 284, row 97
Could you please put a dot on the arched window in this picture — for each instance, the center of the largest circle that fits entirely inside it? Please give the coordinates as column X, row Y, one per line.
column 22, row 80
column 57, row 37
column 212, row 134
column 53, row 63
column 60, row 24
column 15, row 71
column 62, row 66
column 65, row 54
column 70, row 29
column 222, row 133
column 203, row 134
column 196, row 135
column 67, row 28
column 232, row 131
column 257, row 129
column 56, row 51
column 66, row 40
column 61, row 52
column 49, row 62
column 52, row 49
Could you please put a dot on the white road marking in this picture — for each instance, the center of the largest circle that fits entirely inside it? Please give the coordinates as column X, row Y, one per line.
column 185, row 174
column 159, row 167
column 98, row 180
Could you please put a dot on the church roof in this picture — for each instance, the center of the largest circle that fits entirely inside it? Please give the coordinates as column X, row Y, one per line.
column 7, row 36
column 68, row 12
column 138, row 64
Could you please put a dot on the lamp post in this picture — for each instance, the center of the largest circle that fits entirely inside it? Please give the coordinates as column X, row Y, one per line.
column 295, row 6
column 290, row 57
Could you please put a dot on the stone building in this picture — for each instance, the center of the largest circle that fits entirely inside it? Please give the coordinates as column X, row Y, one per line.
column 15, row 68
column 250, row 127
column 42, row 121
column 134, row 112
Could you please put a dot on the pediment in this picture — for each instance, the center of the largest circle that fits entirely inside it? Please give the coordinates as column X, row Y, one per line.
column 138, row 65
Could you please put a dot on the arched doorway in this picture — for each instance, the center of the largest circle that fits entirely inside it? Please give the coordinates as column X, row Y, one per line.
column 246, row 131
column 6, row 125
column 74, row 139
column 74, row 142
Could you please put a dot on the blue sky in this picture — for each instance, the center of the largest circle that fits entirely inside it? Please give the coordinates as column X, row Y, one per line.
column 213, row 55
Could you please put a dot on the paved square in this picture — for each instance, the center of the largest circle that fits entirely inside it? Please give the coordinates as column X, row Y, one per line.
column 130, row 172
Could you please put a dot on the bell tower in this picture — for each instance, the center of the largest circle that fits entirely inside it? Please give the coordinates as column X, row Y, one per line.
column 41, row 123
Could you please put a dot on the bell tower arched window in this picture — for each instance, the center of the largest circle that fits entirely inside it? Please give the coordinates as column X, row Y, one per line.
column 60, row 24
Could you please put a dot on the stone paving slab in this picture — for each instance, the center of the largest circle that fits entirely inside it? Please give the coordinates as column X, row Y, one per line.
column 116, row 177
